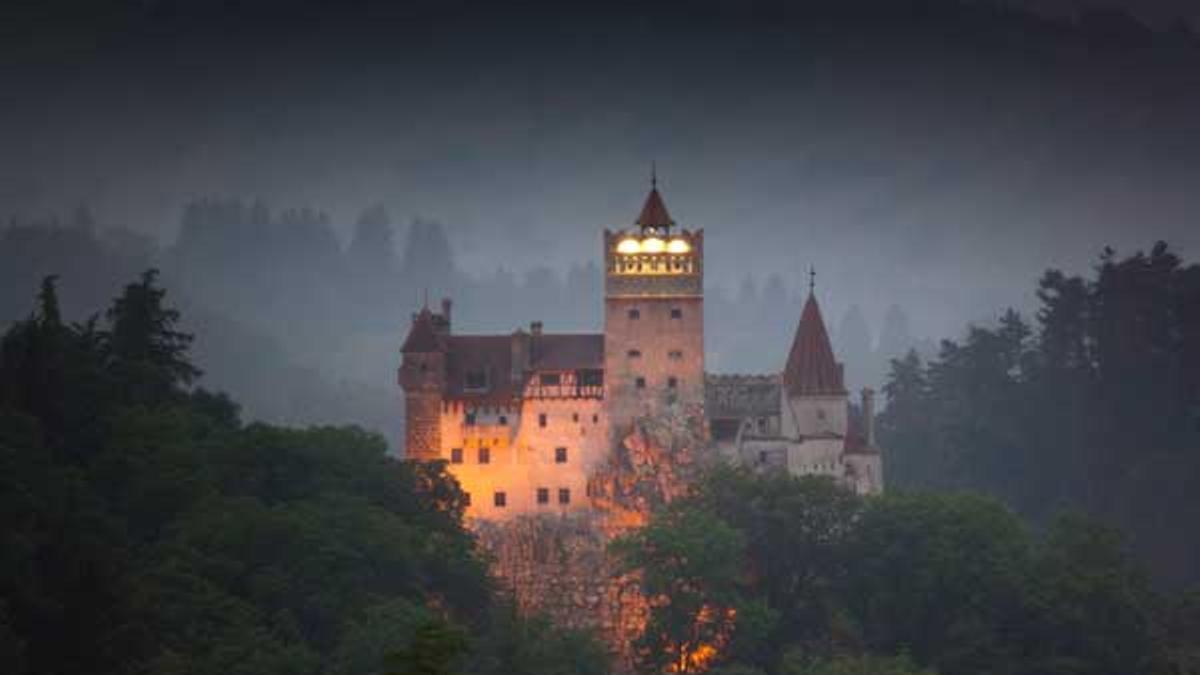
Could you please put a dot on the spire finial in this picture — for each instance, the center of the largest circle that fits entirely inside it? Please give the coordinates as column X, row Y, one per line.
column 812, row 279
column 653, row 175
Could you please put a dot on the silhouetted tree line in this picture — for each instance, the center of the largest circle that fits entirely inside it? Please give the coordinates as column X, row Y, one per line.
column 1094, row 405
column 148, row 530
column 769, row 573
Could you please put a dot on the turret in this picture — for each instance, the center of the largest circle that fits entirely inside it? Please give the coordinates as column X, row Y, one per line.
column 423, row 377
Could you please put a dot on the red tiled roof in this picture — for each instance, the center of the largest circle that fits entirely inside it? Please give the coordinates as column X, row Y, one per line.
column 566, row 351
column 422, row 336
column 654, row 211
column 492, row 354
column 811, row 367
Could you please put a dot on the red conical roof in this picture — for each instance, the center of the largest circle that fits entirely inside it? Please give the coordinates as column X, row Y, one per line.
column 422, row 337
column 654, row 211
column 811, row 367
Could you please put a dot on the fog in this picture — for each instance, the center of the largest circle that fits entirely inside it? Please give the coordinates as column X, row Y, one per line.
column 929, row 159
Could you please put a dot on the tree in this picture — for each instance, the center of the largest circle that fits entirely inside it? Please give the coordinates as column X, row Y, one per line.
column 689, row 562
column 148, row 355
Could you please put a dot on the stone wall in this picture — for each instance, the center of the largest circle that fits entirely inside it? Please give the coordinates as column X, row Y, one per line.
column 560, row 564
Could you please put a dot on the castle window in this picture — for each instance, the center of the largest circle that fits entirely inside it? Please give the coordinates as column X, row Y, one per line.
column 676, row 313
column 469, row 419
column 500, row 499
column 503, row 420
column 542, row 420
column 456, row 455
column 640, row 383
column 551, row 379
column 762, row 456
column 672, row 382
column 574, row 417
column 485, row 456
column 633, row 354
column 591, row 378
column 564, row 495
column 560, row 455
column 475, row 380
column 635, row 314
column 595, row 419
column 543, row 495
column 466, row 499
column 675, row 355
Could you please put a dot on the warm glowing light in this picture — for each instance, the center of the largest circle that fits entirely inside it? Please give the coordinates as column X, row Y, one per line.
column 629, row 247
column 678, row 246
column 653, row 245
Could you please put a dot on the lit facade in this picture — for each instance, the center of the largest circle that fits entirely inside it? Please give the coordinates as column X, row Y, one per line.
column 524, row 420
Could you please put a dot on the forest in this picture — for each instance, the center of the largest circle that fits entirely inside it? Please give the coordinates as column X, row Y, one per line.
column 1093, row 405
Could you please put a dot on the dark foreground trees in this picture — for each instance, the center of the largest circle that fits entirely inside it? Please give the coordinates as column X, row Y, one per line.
column 776, row 574
column 148, row 530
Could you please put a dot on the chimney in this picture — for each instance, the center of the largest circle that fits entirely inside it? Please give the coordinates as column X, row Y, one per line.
column 868, row 415
column 519, row 362
column 535, row 328
column 446, row 310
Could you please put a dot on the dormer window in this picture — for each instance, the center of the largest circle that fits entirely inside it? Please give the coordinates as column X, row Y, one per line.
column 475, row 380
column 551, row 379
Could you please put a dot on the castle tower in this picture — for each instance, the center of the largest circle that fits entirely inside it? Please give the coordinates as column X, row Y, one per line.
column 422, row 376
column 653, row 317
column 814, row 392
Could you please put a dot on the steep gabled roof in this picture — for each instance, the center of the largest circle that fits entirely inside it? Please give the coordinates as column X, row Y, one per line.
column 567, row 351
column 811, row 367
column 654, row 211
column 422, row 336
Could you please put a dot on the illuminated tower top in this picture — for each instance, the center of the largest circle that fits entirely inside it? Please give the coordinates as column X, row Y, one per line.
column 651, row 258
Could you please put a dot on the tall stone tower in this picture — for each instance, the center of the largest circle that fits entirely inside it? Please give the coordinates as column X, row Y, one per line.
column 653, row 317
column 422, row 376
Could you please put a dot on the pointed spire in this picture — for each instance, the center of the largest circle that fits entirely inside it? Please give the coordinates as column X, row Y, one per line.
column 654, row 212
column 812, row 279
column 811, row 367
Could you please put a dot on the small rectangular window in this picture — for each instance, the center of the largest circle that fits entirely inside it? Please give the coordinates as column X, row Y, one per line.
column 503, row 420
column 500, row 499
column 543, row 495
column 672, row 382
column 676, row 313
column 675, row 355
column 485, row 456
column 564, row 495
column 466, row 499
column 541, row 419
column 595, row 419
column 550, row 379
column 469, row 419
column 635, row 314
column 456, row 455
column 574, row 417
column 633, row 354
column 560, row 455
column 640, row 383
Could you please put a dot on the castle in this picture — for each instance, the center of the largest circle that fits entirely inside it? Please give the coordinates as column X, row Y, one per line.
column 525, row 420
